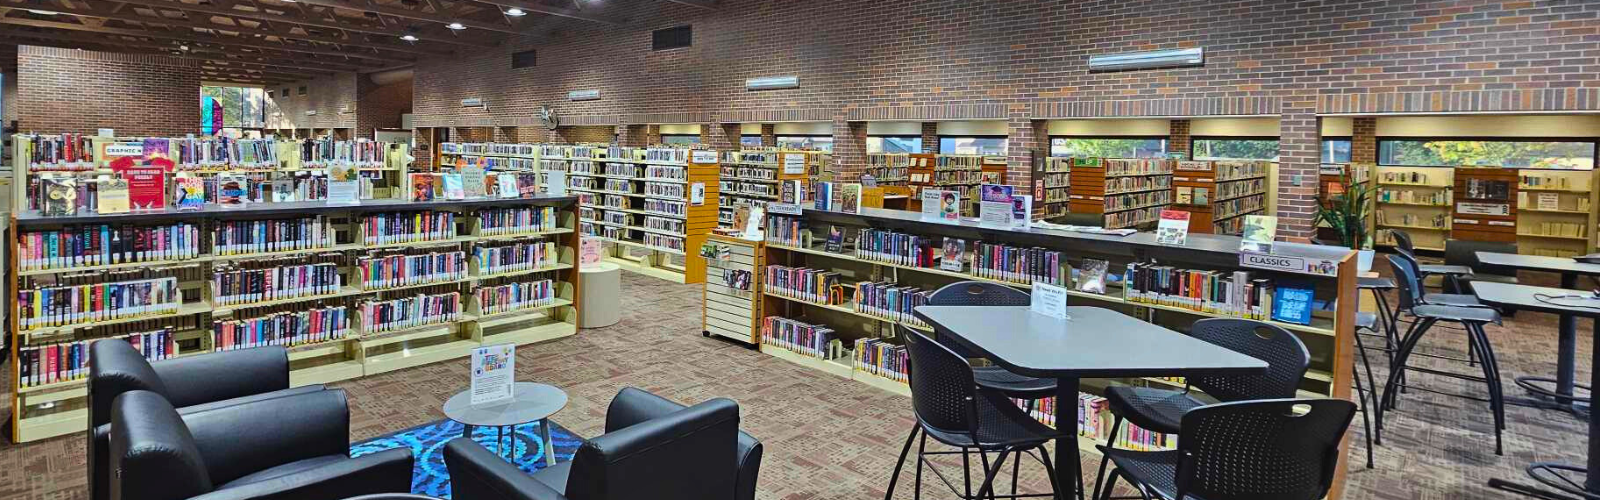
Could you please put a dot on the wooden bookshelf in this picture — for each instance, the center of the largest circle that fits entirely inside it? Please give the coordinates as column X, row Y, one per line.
column 58, row 408
column 750, row 178
column 1408, row 198
column 1135, row 190
column 889, row 169
column 1555, row 212
column 1194, row 184
column 960, row 173
column 1485, row 205
column 1052, row 186
column 1241, row 189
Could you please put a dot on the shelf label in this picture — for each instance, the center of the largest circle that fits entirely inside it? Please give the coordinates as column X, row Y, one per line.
column 1483, row 208
column 1549, row 201
column 703, row 156
column 125, row 149
column 1465, row 221
column 794, row 164
column 1505, row 223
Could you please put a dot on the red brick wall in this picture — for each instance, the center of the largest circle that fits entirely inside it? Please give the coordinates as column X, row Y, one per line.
column 1178, row 138
column 325, row 95
column 769, row 135
column 930, row 137
column 1364, row 140
column 65, row 90
column 380, row 106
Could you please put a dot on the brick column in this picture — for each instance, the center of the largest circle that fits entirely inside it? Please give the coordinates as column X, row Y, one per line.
column 423, row 149
column 769, row 135
column 1022, row 139
column 849, row 149
column 652, row 135
column 724, row 136
column 1178, row 138
column 1364, row 140
column 1299, row 156
column 930, row 137
column 706, row 132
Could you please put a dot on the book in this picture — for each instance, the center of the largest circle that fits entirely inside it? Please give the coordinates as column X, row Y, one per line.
column 1173, row 229
column 1202, row 196
column 1292, row 304
column 112, row 196
column 282, row 190
column 453, row 189
column 60, row 196
column 955, row 250
column 823, row 199
column 233, row 190
column 473, row 182
column 191, row 192
column 1185, row 195
column 1092, row 279
column 1259, row 233
column 835, row 242
column 422, row 187
column 850, row 198
column 507, row 186
column 950, row 205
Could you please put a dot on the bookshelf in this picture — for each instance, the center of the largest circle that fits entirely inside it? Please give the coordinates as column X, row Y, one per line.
column 641, row 203
column 1052, row 184
column 889, row 169
column 750, row 178
column 960, row 173
column 1241, row 189
column 834, row 271
column 1485, row 208
column 1194, row 185
column 1555, row 209
column 204, row 262
column 1416, row 200
column 1128, row 192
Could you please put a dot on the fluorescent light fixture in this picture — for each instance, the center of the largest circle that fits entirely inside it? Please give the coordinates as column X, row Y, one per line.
column 1151, row 59
column 44, row 12
column 583, row 95
column 472, row 102
column 456, row 26
column 772, row 83
column 409, row 38
column 515, row 12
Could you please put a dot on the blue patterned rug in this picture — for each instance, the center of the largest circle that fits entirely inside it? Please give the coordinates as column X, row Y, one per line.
column 427, row 449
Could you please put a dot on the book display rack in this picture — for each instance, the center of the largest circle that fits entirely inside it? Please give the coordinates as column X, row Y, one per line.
column 1417, row 200
column 1484, row 208
column 350, row 290
column 1128, row 192
column 855, row 275
column 1554, row 211
column 1194, row 187
column 731, row 298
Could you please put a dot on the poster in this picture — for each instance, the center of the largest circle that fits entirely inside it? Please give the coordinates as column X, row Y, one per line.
column 1173, row 228
column 794, row 164
column 996, row 205
column 556, row 183
column 493, row 373
column 147, row 181
column 344, row 185
column 697, row 194
column 589, row 251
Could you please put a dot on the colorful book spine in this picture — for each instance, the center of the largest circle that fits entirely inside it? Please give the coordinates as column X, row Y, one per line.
column 784, row 230
column 232, row 286
column 409, row 312
column 1224, row 293
column 806, row 339
column 895, row 248
column 286, row 328
column 390, row 271
column 490, row 259
column 515, row 296
column 408, row 227
column 883, row 359
column 56, row 306
column 812, row 285
column 104, row 244
column 514, row 221
column 890, row 301
column 52, row 363
column 266, row 236
column 1020, row 265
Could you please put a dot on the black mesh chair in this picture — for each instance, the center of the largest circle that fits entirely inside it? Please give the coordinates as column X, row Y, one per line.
column 1365, row 392
column 1471, row 320
column 1451, row 273
column 1161, row 410
column 1279, row 449
column 978, row 293
column 952, row 410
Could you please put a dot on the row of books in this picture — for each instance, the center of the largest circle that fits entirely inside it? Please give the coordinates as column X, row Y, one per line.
column 881, row 358
column 1015, row 264
column 1227, row 293
column 1241, row 188
column 665, row 190
column 515, row 296
column 1239, row 206
column 669, row 207
column 748, row 188
column 1412, row 177
column 665, row 224
column 1553, row 228
column 664, row 241
column 495, row 259
column 757, row 173
column 614, row 185
column 666, row 172
column 244, row 237
column 1094, row 422
column 958, row 162
column 58, row 152
column 285, row 328
column 1547, row 182
column 105, row 244
column 513, row 221
column 1118, row 185
column 409, row 312
column 622, row 169
column 1131, row 218
column 1437, row 220
column 66, row 305
column 202, row 153
column 894, row 247
column 1228, row 171
column 51, row 363
column 1137, row 200
column 232, row 286
column 1438, row 197
column 407, row 227
column 890, row 301
column 390, row 271
column 812, row 340
column 813, row 285
column 1553, row 201
column 1117, row 167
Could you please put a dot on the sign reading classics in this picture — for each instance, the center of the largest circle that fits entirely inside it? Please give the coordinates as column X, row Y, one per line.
column 702, row 156
column 493, row 373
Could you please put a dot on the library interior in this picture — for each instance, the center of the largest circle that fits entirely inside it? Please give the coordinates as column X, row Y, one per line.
column 603, row 249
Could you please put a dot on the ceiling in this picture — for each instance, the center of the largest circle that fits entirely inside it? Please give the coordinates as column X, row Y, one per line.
column 266, row 42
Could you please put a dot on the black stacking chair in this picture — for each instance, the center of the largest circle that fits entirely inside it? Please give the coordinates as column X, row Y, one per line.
column 1282, row 449
column 1451, row 273
column 1162, row 410
column 1420, row 295
column 1471, row 320
column 1465, row 253
column 1365, row 321
column 978, row 293
column 952, row 410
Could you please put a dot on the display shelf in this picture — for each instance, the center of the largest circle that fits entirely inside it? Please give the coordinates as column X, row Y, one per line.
column 1555, row 212
column 1052, row 185
column 1485, row 207
column 1414, row 193
column 388, row 362
column 727, row 310
column 1099, row 186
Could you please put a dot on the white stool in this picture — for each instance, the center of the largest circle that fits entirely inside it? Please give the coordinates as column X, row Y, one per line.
column 600, row 304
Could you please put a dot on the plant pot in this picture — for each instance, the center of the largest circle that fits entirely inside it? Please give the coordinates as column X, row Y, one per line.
column 1364, row 260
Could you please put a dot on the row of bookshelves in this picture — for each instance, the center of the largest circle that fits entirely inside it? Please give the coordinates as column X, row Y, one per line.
column 1542, row 211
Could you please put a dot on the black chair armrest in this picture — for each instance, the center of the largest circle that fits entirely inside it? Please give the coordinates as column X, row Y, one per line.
column 387, row 471
column 749, row 462
column 153, row 456
column 240, row 439
column 115, row 367
column 677, row 449
column 224, row 375
column 633, row 405
column 477, row 474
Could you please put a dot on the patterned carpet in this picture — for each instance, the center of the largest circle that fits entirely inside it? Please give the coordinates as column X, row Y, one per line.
column 829, row 439
column 426, row 442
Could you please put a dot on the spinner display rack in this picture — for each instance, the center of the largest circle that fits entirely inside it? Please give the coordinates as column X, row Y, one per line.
column 341, row 235
column 1555, row 212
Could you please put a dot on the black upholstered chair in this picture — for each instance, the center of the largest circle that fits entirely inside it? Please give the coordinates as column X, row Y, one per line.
column 1282, row 449
column 979, row 293
column 1162, row 410
column 191, row 383
column 1472, row 321
column 652, row 448
column 952, row 410
column 293, row 447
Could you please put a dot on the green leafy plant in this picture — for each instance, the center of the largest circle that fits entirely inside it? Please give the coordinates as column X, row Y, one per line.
column 1346, row 211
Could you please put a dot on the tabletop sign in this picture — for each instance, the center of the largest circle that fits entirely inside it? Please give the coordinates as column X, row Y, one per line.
column 702, row 156
column 589, row 251
column 1549, row 201
column 493, row 373
column 1049, row 300
column 794, row 164
column 930, row 202
column 1483, row 208
column 1173, row 229
column 995, row 205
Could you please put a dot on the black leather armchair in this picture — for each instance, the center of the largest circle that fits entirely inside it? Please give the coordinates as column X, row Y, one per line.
column 192, row 383
column 652, row 448
column 293, row 447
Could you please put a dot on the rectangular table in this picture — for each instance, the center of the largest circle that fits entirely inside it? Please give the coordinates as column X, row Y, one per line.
column 1567, row 339
column 1093, row 343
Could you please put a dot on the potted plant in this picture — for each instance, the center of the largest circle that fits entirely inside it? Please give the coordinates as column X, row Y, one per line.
column 1345, row 206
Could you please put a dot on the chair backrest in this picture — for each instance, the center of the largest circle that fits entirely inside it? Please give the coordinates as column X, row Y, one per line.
column 1286, row 357
column 1405, row 276
column 674, row 453
column 943, row 391
column 633, row 405
column 978, row 293
column 1275, row 449
column 1465, row 253
column 1402, row 243
column 153, row 455
column 115, row 367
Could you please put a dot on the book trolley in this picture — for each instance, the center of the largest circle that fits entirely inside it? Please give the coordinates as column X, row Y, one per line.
column 333, row 283
column 835, row 284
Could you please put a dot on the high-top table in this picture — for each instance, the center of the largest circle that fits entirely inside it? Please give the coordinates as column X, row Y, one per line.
column 1569, row 304
column 1567, row 339
column 1093, row 343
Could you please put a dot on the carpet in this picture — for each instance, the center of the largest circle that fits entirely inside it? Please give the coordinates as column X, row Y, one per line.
column 426, row 442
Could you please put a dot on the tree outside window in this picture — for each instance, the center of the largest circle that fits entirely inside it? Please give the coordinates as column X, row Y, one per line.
column 1109, row 147
column 1490, row 153
column 1236, row 149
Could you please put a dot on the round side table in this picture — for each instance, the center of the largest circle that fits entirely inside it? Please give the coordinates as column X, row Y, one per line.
column 530, row 402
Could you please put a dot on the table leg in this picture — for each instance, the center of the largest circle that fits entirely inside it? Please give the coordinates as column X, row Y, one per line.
column 1068, row 464
column 1567, row 345
column 466, row 431
column 549, row 447
column 1592, row 482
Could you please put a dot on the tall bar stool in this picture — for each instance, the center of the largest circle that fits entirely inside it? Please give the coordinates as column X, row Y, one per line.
column 980, row 293
column 1452, row 273
column 1471, row 320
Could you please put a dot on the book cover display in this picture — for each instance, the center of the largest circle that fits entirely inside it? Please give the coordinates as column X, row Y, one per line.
column 113, row 196
column 191, row 192
column 1259, row 232
column 60, row 196
column 233, row 190
column 1173, row 228
column 422, row 187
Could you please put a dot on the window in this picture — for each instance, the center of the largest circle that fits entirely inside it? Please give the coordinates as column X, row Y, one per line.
column 285, row 93
column 1109, row 147
column 672, row 38
column 524, row 59
column 1487, row 152
column 894, row 144
column 680, row 139
column 231, row 107
column 1336, row 150
column 302, row 90
column 1252, row 148
column 750, row 140
column 982, row 145
column 809, row 142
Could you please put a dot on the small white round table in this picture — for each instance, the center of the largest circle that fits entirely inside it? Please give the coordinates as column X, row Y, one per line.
column 530, row 402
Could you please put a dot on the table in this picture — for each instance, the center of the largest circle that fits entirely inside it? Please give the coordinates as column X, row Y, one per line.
column 1583, row 304
column 530, row 402
column 1093, row 343
column 1567, row 340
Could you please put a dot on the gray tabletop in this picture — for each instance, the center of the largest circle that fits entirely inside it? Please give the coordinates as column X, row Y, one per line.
column 1556, row 300
column 1095, row 342
column 529, row 402
column 1537, row 263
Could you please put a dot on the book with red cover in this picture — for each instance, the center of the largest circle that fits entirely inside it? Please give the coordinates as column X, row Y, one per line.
column 147, row 182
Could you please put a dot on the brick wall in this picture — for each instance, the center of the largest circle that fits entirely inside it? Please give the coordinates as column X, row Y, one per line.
column 1178, row 138
column 325, row 95
column 80, row 91
column 930, row 137
column 380, row 106
column 1364, row 140
column 769, row 135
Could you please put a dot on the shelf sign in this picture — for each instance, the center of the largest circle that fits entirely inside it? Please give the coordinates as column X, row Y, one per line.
column 794, row 164
column 1549, row 201
column 125, row 149
column 472, row 102
column 703, row 156
column 311, row 112
column 1465, row 221
column 1483, row 208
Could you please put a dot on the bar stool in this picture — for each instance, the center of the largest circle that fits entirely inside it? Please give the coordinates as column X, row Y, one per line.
column 1380, row 286
column 980, row 293
column 1452, row 273
column 1365, row 321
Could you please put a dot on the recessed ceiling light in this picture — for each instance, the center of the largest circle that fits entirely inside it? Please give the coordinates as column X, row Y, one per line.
column 515, row 12
column 455, row 26
column 183, row 47
column 409, row 38
column 44, row 12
